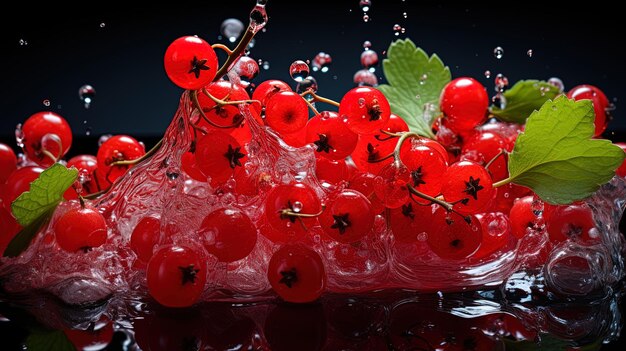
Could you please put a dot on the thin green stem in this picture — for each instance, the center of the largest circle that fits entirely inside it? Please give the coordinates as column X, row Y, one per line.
column 147, row 155
column 502, row 182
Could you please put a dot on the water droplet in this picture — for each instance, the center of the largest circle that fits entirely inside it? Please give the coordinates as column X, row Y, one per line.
column 498, row 52
column 361, row 102
column 298, row 70
column 23, row 42
column 261, row 2
column 103, row 139
column 250, row 45
column 321, row 62
column 308, row 83
column 369, row 58
column 86, row 93
column 367, row 44
column 19, row 135
column 296, row 207
column 557, row 83
column 88, row 131
column 423, row 236
column 397, row 29
column 231, row 29
column 246, row 68
column 487, row 74
column 366, row 18
column 265, row 65
column 404, row 14
column 501, row 82
column 258, row 18
column 529, row 52
column 365, row 77
column 102, row 24
column 365, row 5
column 423, row 79
column 46, row 103
column 499, row 100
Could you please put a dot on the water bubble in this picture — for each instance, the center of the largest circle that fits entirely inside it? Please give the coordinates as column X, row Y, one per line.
column 23, row 42
column 231, row 29
column 367, row 44
column 298, row 70
column 88, row 131
column 557, row 83
column 397, row 29
column 19, row 135
column 369, row 58
column 501, row 82
column 487, row 74
column 258, row 18
column 529, row 52
column 103, row 139
column 308, row 83
column 404, row 14
column 246, row 68
column 296, row 206
column 361, row 102
column 102, row 24
column 250, row 45
column 365, row 5
column 498, row 52
column 365, row 77
column 499, row 100
column 423, row 236
column 46, row 103
column 366, row 18
column 86, row 93
column 264, row 64
column 321, row 62
column 261, row 2
column 423, row 79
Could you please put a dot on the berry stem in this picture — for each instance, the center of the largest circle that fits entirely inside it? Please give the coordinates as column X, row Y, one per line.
column 381, row 159
column 147, row 155
column 403, row 138
column 196, row 103
column 96, row 194
column 502, row 182
column 311, row 106
column 223, row 102
column 290, row 213
column 223, row 47
column 49, row 155
column 501, row 153
column 317, row 98
column 448, row 206
column 235, row 54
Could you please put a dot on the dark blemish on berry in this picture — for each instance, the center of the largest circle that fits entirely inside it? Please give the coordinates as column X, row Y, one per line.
column 455, row 243
column 372, row 154
column 374, row 111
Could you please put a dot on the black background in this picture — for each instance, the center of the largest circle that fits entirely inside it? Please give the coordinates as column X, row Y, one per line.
column 123, row 60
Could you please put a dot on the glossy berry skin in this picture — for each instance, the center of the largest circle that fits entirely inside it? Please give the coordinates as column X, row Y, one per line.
column 189, row 164
column 266, row 90
column 621, row 171
column 600, row 104
column 348, row 217
column 86, row 165
column 80, row 229
column 372, row 147
column 366, row 109
column 365, row 183
column 522, row 216
column 218, row 155
column 8, row 162
column 176, row 276
column 92, row 339
column 226, row 115
column 426, row 166
column 286, row 112
column 464, row 102
column 468, row 185
column 229, row 234
column 46, row 131
column 296, row 197
column 451, row 237
column 330, row 136
column 574, row 222
column 8, row 228
column 117, row 148
column 145, row 237
column 482, row 147
column 190, row 62
column 391, row 185
column 497, row 236
column 331, row 171
column 409, row 221
column 297, row 273
column 19, row 182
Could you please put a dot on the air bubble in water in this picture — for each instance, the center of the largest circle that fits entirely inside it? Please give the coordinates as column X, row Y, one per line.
column 298, row 70
column 498, row 52
column 487, row 74
column 46, row 103
column 365, row 5
column 529, row 52
column 365, row 77
column 397, row 29
column 501, row 82
column 19, row 135
column 102, row 24
column 404, row 14
column 86, row 93
column 557, row 83
column 246, row 68
column 369, row 58
column 367, row 45
column 321, row 62
column 366, row 18
column 231, row 29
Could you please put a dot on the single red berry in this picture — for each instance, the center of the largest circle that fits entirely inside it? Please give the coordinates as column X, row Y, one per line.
column 374, row 147
column 286, row 112
column 330, row 171
column 8, row 162
column 600, row 104
column 573, row 222
column 86, row 165
column 47, row 137
column 364, row 183
column 190, row 62
column 190, row 166
column 266, row 90
column 80, row 229
column 287, row 199
column 366, row 109
column 410, row 222
column 452, row 237
column 18, row 183
column 8, row 228
column 426, row 166
column 391, row 185
column 464, row 102
column 228, row 234
column 97, row 337
column 226, row 115
column 118, row 148
column 217, row 156
column 482, row 148
column 176, row 276
column 468, row 186
column 145, row 237
column 330, row 135
column 297, row 273
column 348, row 217
column 523, row 216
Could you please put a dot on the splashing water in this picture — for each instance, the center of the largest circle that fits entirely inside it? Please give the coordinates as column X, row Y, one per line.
column 529, row 53
column 365, row 5
column 46, row 102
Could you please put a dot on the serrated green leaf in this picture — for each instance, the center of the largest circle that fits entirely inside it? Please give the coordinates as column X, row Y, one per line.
column 523, row 98
column 22, row 239
column 414, row 81
column 54, row 340
column 45, row 194
column 556, row 157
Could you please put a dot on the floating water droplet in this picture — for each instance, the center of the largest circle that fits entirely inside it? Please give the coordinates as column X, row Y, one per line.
column 366, row 18
column 261, row 2
column 23, row 42
column 396, row 29
column 246, row 68
column 321, row 62
column 365, row 5
column 298, row 70
column 250, row 45
column 404, row 14
column 365, row 77
column 102, row 24
column 86, row 93
column 103, row 139
column 46, row 102
column 367, row 44
column 265, row 65
column 369, row 58
column 529, row 52
column 19, row 135
column 557, row 83
column 501, row 82
column 231, row 29
column 308, row 83
column 88, row 131
column 487, row 74
column 498, row 52
column 499, row 100
column 403, row 30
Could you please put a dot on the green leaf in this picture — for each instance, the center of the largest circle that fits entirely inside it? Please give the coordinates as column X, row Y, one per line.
column 46, row 340
column 414, row 81
column 45, row 194
column 20, row 242
column 556, row 157
column 523, row 98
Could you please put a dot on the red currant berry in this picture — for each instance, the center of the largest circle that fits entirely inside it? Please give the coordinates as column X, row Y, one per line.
column 523, row 216
column 468, row 185
column 464, row 102
column 86, row 165
column 190, row 62
column 330, row 171
column 574, row 222
column 366, row 109
column 600, row 104
column 80, row 229
column 8, row 162
column 497, row 236
column 348, row 217
column 285, row 200
column 97, row 337
column 391, row 185
column 226, row 115
column 364, row 183
column 426, row 166
column 451, row 237
column 297, row 273
column 229, row 234
column 330, row 135
column 118, row 148
column 176, row 276
column 47, row 137
column 373, row 147
column 145, row 237
column 18, row 183
column 433, row 145
column 286, row 112
column 482, row 148
column 217, row 156
column 409, row 223
column 266, row 90
column 296, row 139
column 190, row 166
column 8, row 228
column 621, row 171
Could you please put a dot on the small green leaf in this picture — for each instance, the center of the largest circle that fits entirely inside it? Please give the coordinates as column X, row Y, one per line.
column 414, row 81
column 523, row 98
column 45, row 194
column 556, row 157
column 20, row 242
column 48, row 340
